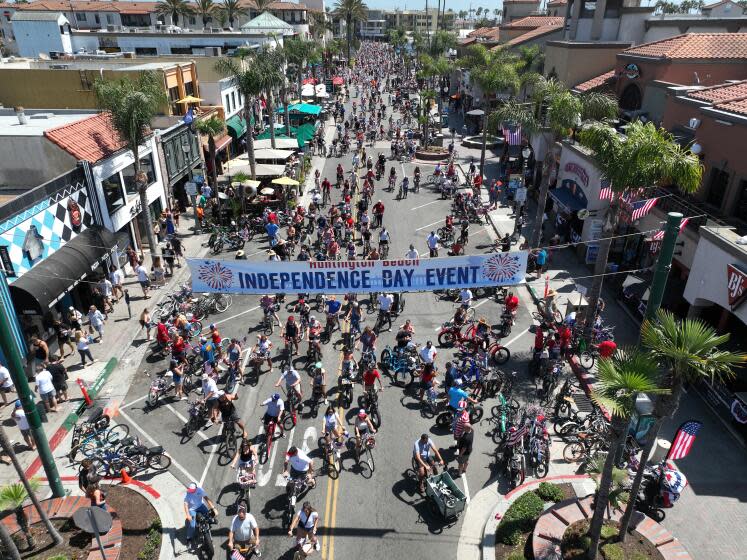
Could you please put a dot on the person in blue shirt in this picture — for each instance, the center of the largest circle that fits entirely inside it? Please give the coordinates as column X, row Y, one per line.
column 333, row 308
column 457, row 394
column 272, row 231
column 541, row 260
column 207, row 350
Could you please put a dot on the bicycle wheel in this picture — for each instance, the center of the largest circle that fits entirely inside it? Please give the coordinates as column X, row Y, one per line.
column 475, row 414
column 501, row 355
column 376, row 418
column 159, row 462
column 117, row 433
column 222, row 302
column 370, row 459
column 540, row 471
column 574, row 452
column 586, row 359
column 471, row 314
column 230, row 442
column 269, row 327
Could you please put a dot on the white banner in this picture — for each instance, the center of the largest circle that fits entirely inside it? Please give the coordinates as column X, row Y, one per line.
column 342, row 277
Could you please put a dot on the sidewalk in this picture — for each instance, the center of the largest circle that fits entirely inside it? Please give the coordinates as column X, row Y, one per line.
column 117, row 358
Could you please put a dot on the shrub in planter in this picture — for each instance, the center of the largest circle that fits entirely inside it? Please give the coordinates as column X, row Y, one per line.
column 519, row 518
column 549, row 492
column 613, row 551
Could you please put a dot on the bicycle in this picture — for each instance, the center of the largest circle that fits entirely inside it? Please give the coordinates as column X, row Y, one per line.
column 331, row 462
column 228, row 443
column 96, row 439
column 365, row 449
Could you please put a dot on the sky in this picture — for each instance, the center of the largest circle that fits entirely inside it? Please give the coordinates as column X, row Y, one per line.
column 455, row 5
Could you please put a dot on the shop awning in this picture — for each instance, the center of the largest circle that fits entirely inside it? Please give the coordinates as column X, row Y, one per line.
column 303, row 108
column 220, row 143
column 42, row 286
column 311, row 81
column 236, row 126
column 269, row 154
column 337, row 81
column 566, row 200
column 280, row 143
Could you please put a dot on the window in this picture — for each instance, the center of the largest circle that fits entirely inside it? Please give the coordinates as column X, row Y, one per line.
column 233, row 101
column 146, row 51
column 228, row 104
column 173, row 98
column 97, row 18
column 113, row 194
column 717, row 187
column 740, row 208
column 192, row 20
column 109, row 19
column 189, row 88
column 128, row 174
column 80, row 17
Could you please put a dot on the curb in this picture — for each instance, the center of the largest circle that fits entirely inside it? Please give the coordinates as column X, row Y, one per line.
column 168, row 529
column 491, row 525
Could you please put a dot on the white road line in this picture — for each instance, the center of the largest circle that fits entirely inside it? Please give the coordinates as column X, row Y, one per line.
column 154, row 442
column 466, row 486
column 429, row 225
column 122, row 407
column 479, row 304
column 522, row 333
column 183, row 418
column 426, row 204
column 234, row 316
column 280, row 479
column 212, row 454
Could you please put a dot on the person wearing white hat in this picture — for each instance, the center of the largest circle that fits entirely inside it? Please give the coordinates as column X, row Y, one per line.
column 195, row 501
column 211, row 393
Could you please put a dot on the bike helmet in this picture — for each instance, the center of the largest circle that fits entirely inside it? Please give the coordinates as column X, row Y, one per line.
column 312, row 318
column 212, row 326
column 462, row 405
column 203, row 339
column 457, row 383
column 276, row 396
column 362, row 414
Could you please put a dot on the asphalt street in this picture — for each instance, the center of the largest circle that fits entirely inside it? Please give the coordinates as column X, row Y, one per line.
column 379, row 514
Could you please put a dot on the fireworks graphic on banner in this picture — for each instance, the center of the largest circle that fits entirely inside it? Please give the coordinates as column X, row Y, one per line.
column 215, row 275
column 501, row 267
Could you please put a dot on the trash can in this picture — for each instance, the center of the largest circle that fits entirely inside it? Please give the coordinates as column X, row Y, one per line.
column 660, row 451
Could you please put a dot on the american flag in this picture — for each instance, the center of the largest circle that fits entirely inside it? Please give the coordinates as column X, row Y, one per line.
column 641, row 208
column 684, row 440
column 517, row 436
column 236, row 555
column 606, row 193
column 512, row 136
column 659, row 235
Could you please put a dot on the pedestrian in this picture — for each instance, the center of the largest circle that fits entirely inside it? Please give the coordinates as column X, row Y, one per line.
column 176, row 212
column 96, row 322
column 146, row 323
column 74, row 319
column 168, row 257
column 143, row 279
column 177, row 245
column 464, row 448
column 19, row 416
column 127, row 303
column 59, row 377
column 45, row 388
column 83, row 349
column 132, row 258
column 117, row 279
column 170, row 225
column 40, row 351
column 63, row 332
column 94, row 492
column 432, row 242
column 106, row 288
column 177, row 374
column 157, row 230
column 85, row 473
column 159, row 274
column 6, row 383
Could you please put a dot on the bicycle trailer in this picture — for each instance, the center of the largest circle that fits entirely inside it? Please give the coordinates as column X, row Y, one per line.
column 444, row 496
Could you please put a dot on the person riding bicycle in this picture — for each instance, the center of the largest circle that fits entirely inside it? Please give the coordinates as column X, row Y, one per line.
column 333, row 427
column 385, row 302
column 263, row 350
column 292, row 380
column 378, row 212
column 370, row 377
column 246, row 457
column 315, row 331
column 512, row 304
column 363, row 428
column 228, row 412
column 243, row 536
column 405, row 186
column 305, row 524
column 333, row 310
column 267, row 303
column 368, row 340
column 275, row 409
column 437, row 170
column 416, row 177
column 384, row 238
column 354, row 317
column 299, row 465
column 319, row 382
column 196, row 501
column 291, row 334
column 457, row 394
column 481, row 330
column 465, row 297
column 392, row 177
column 426, row 462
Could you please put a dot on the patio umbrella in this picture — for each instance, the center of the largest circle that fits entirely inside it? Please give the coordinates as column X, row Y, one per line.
column 266, row 191
column 285, row 181
column 476, row 113
column 222, row 196
column 190, row 99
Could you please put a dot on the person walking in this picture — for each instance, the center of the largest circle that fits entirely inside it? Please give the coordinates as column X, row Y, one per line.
column 74, row 319
column 143, row 279
column 84, row 350
column 146, row 323
column 63, row 333
column 59, row 377
column 168, row 257
column 45, row 388
column 19, row 417
column 6, row 383
column 176, row 244
column 116, row 277
column 40, row 351
column 96, row 322
column 464, row 448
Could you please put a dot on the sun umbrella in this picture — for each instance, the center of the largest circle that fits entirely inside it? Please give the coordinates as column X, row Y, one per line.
column 476, row 113
column 222, row 196
column 285, row 181
column 190, row 99
column 266, row 190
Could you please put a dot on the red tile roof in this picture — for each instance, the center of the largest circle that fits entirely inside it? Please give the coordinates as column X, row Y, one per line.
column 533, row 34
column 124, row 7
column 91, row 139
column 730, row 97
column 482, row 32
column 596, row 82
column 535, row 21
column 695, row 46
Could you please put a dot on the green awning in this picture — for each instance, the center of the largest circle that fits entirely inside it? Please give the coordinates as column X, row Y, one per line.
column 236, row 126
column 303, row 108
column 302, row 134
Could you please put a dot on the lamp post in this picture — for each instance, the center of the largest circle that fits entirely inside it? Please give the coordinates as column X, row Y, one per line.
column 521, row 192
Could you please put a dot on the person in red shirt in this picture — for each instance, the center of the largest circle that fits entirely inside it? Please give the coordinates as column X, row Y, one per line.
column 539, row 339
column 512, row 303
column 378, row 212
column 216, row 338
column 178, row 347
column 607, row 348
column 162, row 333
column 427, row 379
column 565, row 339
column 370, row 377
column 272, row 217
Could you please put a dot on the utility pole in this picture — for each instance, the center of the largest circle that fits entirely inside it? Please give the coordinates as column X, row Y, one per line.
column 663, row 264
column 15, row 365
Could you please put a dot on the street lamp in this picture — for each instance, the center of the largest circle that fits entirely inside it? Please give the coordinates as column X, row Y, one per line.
column 521, row 192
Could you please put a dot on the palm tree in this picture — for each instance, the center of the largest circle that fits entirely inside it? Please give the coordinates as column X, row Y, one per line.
column 319, row 24
column 644, row 157
column 246, row 78
column 689, row 351
column 441, row 42
column 620, row 380
column 435, row 68
column 232, row 9
column 296, row 53
column 29, row 487
column 263, row 5
column 426, row 96
column 352, row 11
column 271, row 76
column 497, row 13
column 211, row 127
column 132, row 105
column 12, row 497
column 418, row 43
column 8, row 544
column 205, row 9
column 397, row 37
column 173, row 9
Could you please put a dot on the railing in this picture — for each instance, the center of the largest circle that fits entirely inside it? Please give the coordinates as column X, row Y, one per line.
column 699, row 212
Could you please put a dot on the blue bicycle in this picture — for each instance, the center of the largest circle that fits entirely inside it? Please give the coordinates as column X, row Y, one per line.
column 400, row 364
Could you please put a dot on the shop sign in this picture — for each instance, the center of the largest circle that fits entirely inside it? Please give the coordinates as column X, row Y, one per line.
column 6, row 262
column 578, row 171
column 75, row 214
column 736, row 285
column 632, row 71
column 135, row 208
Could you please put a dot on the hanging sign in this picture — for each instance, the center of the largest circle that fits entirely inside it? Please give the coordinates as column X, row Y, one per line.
column 342, row 277
column 736, row 285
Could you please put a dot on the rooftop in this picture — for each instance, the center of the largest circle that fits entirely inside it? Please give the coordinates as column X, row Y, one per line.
column 124, row 7
column 91, row 139
column 595, row 82
column 266, row 20
column 535, row 21
column 694, row 46
column 38, row 122
column 36, row 16
column 113, row 64
column 731, row 97
column 534, row 33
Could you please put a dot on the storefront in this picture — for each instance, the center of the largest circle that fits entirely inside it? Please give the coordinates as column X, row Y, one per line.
column 180, row 150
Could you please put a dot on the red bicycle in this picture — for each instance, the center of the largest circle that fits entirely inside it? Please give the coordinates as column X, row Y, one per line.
column 452, row 334
column 498, row 353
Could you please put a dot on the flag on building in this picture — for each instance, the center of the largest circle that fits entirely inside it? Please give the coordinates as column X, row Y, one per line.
column 606, row 193
column 683, row 440
column 512, row 134
column 641, row 208
column 659, row 235
column 189, row 117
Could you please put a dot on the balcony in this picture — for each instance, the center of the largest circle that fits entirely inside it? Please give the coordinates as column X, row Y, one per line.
column 700, row 213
